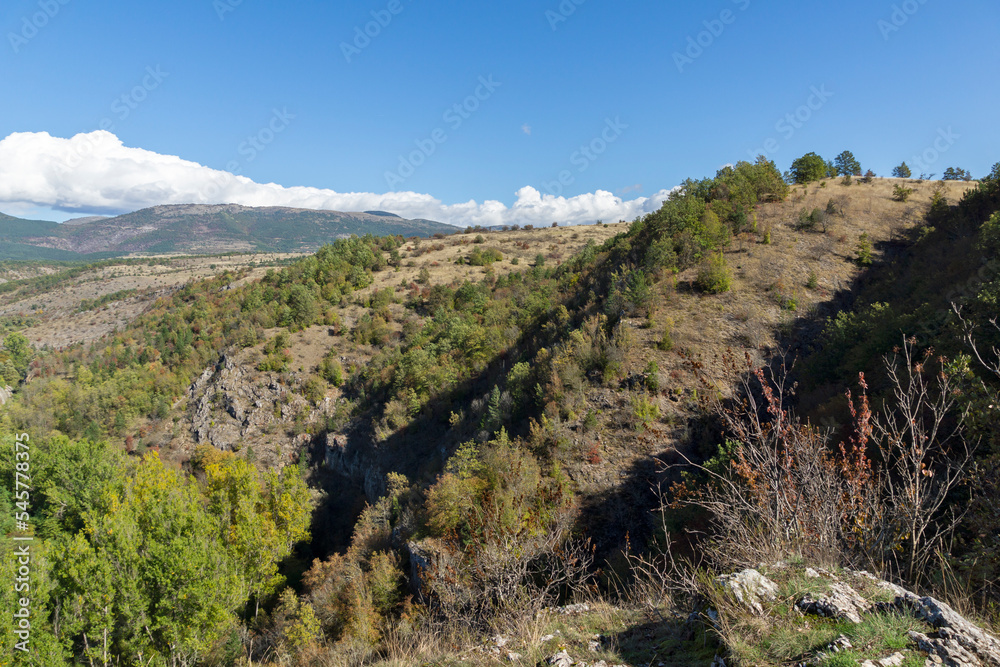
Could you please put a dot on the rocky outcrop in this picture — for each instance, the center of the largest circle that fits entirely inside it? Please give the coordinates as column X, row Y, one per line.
column 842, row 602
column 957, row 641
column 944, row 637
column 563, row 659
column 234, row 406
column 893, row 660
column 750, row 588
column 357, row 461
column 5, row 394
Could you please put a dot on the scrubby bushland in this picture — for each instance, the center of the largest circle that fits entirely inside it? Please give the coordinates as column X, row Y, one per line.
column 142, row 370
column 16, row 355
column 538, row 337
column 715, row 277
column 783, row 488
column 474, row 392
column 946, row 292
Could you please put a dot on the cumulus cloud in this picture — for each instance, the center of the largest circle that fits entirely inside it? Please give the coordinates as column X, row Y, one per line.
column 96, row 173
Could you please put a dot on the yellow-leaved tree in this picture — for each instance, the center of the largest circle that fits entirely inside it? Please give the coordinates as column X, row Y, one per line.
column 146, row 579
column 260, row 517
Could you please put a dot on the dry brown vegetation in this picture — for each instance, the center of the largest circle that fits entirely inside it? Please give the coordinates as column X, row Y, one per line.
column 61, row 325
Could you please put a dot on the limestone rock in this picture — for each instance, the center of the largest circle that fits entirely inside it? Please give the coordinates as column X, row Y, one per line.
column 893, row 660
column 572, row 609
column 750, row 588
column 957, row 639
column 842, row 602
column 947, row 649
column 561, row 659
column 233, row 405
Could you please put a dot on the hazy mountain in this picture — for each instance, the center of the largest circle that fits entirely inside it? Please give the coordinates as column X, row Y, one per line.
column 83, row 221
column 197, row 229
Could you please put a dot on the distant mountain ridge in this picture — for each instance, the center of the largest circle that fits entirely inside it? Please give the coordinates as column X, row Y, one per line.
column 199, row 229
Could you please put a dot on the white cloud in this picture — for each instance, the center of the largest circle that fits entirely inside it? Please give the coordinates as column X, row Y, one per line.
column 96, row 173
column 526, row 128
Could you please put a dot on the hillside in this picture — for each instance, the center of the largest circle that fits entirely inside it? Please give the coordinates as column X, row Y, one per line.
column 198, row 229
column 468, row 411
column 61, row 304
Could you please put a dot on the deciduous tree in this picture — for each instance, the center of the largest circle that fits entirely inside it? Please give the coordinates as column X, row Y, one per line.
column 809, row 167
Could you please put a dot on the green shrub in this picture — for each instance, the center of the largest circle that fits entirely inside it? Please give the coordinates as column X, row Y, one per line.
column 901, row 193
column 863, row 250
column 652, row 376
column 644, row 412
column 484, row 257
column 331, row 371
column 666, row 343
column 314, row 390
column 813, row 281
column 276, row 344
column 808, row 221
column 989, row 234
column 385, row 581
column 371, row 330
column 715, row 277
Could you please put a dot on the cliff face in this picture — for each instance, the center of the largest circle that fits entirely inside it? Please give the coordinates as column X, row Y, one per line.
column 352, row 459
column 233, row 406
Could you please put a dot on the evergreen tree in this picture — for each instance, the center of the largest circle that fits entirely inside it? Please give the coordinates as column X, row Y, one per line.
column 847, row 164
column 902, row 171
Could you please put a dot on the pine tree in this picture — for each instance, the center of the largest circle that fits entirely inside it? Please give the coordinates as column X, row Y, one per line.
column 847, row 164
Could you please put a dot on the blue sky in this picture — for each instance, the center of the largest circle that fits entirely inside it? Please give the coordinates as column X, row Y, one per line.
column 607, row 97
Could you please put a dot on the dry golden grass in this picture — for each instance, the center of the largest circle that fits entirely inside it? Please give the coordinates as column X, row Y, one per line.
column 769, row 299
column 768, row 278
column 438, row 256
